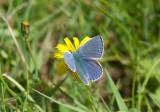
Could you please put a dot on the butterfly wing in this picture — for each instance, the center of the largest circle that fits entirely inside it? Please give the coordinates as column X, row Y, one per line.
column 68, row 58
column 80, row 68
column 82, row 61
column 93, row 69
column 92, row 49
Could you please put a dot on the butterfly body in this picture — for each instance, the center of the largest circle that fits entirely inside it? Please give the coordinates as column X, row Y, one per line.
column 80, row 67
column 84, row 60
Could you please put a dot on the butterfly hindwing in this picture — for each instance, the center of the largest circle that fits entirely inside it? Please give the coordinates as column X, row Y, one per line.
column 80, row 68
column 93, row 69
column 92, row 49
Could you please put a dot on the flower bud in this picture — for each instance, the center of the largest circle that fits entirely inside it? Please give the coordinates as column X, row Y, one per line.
column 25, row 28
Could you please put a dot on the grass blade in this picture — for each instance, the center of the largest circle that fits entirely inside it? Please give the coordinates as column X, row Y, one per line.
column 60, row 103
column 21, row 89
column 122, row 106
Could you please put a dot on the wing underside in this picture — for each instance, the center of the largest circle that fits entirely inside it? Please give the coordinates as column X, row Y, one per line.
column 80, row 68
column 69, row 59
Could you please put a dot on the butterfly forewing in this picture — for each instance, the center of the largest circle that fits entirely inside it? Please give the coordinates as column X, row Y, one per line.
column 92, row 49
column 68, row 58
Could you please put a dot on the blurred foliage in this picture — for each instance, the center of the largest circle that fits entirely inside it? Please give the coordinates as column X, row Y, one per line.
column 131, row 33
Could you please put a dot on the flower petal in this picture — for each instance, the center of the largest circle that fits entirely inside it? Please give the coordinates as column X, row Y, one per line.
column 69, row 44
column 62, row 47
column 59, row 65
column 84, row 40
column 76, row 42
column 58, row 55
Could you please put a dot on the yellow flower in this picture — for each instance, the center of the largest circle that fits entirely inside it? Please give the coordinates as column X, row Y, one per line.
column 59, row 65
column 69, row 46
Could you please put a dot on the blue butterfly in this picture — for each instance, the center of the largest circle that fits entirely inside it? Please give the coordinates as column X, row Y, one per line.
column 84, row 60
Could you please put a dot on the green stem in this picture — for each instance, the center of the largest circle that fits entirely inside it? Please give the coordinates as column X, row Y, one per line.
column 3, row 106
column 36, row 70
column 31, row 54
column 133, row 89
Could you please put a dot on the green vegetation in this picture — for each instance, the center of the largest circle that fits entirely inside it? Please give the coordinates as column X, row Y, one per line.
column 29, row 76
